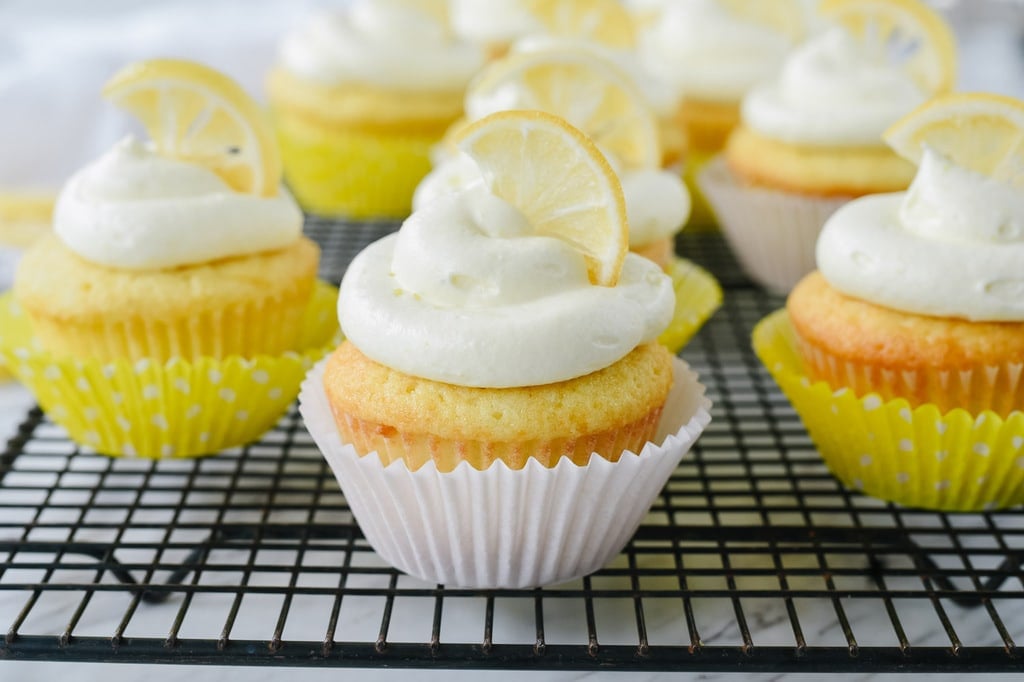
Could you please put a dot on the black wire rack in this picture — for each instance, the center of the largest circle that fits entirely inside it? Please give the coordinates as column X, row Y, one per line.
column 753, row 558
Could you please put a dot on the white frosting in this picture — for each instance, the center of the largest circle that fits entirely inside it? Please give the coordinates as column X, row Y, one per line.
column 466, row 294
column 137, row 210
column 951, row 246
column 492, row 21
column 384, row 43
column 657, row 201
column 709, row 53
column 660, row 94
column 832, row 91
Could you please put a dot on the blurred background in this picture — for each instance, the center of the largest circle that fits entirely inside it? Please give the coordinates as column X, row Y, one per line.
column 55, row 56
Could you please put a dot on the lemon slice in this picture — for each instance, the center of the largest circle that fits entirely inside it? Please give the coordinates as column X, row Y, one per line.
column 558, row 179
column 603, row 21
column 788, row 17
column 907, row 31
column 587, row 90
column 979, row 131
column 200, row 115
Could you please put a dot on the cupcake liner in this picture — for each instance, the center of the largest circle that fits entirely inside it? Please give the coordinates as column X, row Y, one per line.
column 698, row 296
column 174, row 409
column 360, row 174
column 772, row 233
column 499, row 528
column 915, row 456
column 999, row 388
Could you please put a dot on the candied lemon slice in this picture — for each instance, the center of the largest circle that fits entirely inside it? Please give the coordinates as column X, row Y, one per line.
column 788, row 17
column 587, row 90
column 604, row 21
column 558, row 179
column 195, row 113
column 980, row 131
column 907, row 31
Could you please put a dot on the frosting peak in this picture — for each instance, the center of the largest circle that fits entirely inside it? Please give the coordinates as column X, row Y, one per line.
column 710, row 53
column 384, row 43
column 137, row 210
column 466, row 293
column 657, row 201
column 832, row 91
column 951, row 246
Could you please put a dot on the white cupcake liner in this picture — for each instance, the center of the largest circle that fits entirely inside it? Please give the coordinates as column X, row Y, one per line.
column 773, row 233
column 501, row 528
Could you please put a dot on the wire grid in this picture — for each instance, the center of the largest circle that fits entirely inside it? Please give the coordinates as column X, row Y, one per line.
column 753, row 558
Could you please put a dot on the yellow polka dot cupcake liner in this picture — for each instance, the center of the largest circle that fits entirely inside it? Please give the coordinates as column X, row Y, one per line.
column 174, row 409
column 698, row 296
column 917, row 457
column 354, row 173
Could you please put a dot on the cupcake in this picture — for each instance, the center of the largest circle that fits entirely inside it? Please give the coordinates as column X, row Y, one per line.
column 579, row 83
column 812, row 139
column 360, row 95
column 912, row 330
column 601, row 26
column 712, row 52
column 500, row 383
column 180, row 260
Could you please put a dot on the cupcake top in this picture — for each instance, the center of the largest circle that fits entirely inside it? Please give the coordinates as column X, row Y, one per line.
column 710, row 53
column 393, row 44
column 661, row 96
column 833, row 90
column 578, row 83
column 136, row 209
column 474, row 290
column 951, row 246
column 493, row 21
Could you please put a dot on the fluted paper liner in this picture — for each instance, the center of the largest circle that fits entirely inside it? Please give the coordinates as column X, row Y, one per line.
column 915, row 456
column 773, row 233
column 173, row 409
column 499, row 528
column 698, row 296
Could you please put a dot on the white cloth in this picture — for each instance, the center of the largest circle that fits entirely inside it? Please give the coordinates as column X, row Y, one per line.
column 56, row 56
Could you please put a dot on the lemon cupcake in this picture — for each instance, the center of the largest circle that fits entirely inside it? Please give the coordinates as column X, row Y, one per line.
column 812, row 139
column 359, row 97
column 169, row 311
column 712, row 52
column 500, row 363
column 914, row 325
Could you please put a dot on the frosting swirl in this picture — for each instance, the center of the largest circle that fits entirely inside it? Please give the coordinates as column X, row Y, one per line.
column 657, row 202
column 832, row 91
column 494, row 21
column 466, row 294
column 709, row 53
column 951, row 246
column 137, row 210
column 662, row 98
column 383, row 43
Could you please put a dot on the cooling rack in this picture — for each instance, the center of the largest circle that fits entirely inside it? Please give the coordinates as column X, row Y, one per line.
column 752, row 559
